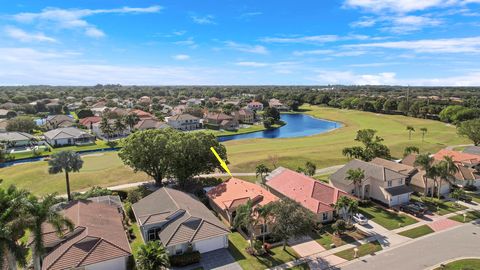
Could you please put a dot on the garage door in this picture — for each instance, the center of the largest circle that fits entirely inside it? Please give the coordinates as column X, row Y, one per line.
column 400, row 199
column 211, row 244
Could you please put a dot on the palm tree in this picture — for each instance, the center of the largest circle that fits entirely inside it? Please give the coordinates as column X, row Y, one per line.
column 356, row 176
column 131, row 120
column 424, row 131
column 106, row 128
column 247, row 218
column 266, row 215
column 424, row 161
column 347, row 207
column 42, row 212
column 310, row 168
column 409, row 150
column 262, row 171
column 65, row 161
column 118, row 126
column 152, row 256
column 410, row 130
column 446, row 170
column 13, row 223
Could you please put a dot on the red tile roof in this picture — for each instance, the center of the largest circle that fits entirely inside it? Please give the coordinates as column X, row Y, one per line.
column 141, row 114
column 234, row 192
column 312, row 194
column 90, row 120
column 98, row 236
column 461, row 157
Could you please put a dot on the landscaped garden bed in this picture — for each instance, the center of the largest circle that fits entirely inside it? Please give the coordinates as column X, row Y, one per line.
column 365, row 249
column 327, row 239
column 275, row 256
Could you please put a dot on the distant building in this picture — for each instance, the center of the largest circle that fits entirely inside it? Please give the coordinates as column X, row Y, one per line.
column 141, row 114
column 145, row 124
column 183, row 122
column 275, row 103
column 59, row 121
column 68, row 136
column 255, row 106
column 221, row 120
column 245, row 116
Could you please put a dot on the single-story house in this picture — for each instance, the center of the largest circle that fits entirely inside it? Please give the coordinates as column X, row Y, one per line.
column 150, row 123
column 98, row 241
column 89, row 121
column 180, row 222
column 17, row 139
column 68, row 136
column 380, row 183
column 229, row 195
column 314, row 195
column 141, row 114
column 183, row 122
column 465, row 159
column 59, row 121
column 97, row 130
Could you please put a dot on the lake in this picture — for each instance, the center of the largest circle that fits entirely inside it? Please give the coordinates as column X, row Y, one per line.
column 297, row 125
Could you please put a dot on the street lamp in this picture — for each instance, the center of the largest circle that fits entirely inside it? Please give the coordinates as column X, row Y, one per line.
column 464, row 217
column 356, row 252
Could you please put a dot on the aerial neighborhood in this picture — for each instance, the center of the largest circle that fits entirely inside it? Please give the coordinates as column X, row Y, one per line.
column 117, row 182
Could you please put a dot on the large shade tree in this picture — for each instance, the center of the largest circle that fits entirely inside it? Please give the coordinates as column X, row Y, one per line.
column 471, row 130
column 372, row 146
column 65, row 161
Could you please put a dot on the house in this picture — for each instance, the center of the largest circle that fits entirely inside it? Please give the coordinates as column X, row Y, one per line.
column 226, row 197
column 314, row 195
column 405, row 169
column 3, row 125
column 380, row 183
column 221, row 120
column 6, row 114
column 145, row 100
column 275, row 103
column 97, row 130
column 194, row 101
column 68, row 136
column 141, row 114
column 179, row 109
column 145, row 124
column 245, row 116
column 89, row 121
column 97, row 242
column 255, row 106
column 180, row 222
column 465, row 159
column 59, row 121
column 183, row 122
column 17, row 139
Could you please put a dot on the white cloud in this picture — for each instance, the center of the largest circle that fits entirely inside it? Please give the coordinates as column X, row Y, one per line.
column 257, row 49
column 21, row 35
column 187, row 42
column 75, row 18
column 406, row 24
column 302, row 39
column 348, row 78
column 364, row 22
column 207, row 19
column 397, row 6
column 448, row 45
column 329, row 53
column 181, row 57
column 252, row 64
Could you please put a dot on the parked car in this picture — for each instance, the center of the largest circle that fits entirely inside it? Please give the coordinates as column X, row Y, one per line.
column 360, row 219
column 466, row 198
column 421, row 206
column 412, row 209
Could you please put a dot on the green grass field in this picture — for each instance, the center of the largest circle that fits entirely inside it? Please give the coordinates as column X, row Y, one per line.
column 326, row 149
column 244, row 155
column 417, row 232
column 465, row 264
column 363, row 250
column 387, row 219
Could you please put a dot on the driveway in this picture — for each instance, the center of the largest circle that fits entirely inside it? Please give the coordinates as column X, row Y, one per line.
column 219, row 259
column 425, row 252
column 305, row 246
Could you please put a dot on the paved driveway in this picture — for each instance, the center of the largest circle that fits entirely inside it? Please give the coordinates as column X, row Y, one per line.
column 425, row 252
column 219, row 259
column 306, row 246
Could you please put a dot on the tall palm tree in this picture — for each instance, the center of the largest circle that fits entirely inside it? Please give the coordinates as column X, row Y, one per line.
column 13, row 223
column 131, row 120
column 152, row 256
column 446, row 171
column 119, row 126
column 247, row 218
column 424, row 131
column 347, row 207
column 41, row 212
column 424, row 161
column 262, row 171
column 265, row 213
column 106, row 128
column 410, row 130
column 356, row 176
column 65, row 161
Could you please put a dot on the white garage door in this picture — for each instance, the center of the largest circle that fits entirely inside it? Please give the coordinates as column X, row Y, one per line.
column 211, row 244
column 400, row 199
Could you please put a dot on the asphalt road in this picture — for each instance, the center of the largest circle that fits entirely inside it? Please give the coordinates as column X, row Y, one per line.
column 462, row 241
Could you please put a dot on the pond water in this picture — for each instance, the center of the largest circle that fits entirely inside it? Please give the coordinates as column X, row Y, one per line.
column 298, row 125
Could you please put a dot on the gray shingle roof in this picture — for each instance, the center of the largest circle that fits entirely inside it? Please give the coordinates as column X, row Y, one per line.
column 474, row 150
column 187, row 219
column 372, row 171
column 65, row 133
column 15, row 136
column 398, row 190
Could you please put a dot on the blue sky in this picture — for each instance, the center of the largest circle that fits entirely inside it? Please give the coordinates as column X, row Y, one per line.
column 302, row 42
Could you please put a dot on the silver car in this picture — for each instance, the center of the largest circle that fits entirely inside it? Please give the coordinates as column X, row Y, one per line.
column 360, row 219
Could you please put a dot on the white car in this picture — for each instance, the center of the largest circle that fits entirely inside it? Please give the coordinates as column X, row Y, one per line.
column 360, row 219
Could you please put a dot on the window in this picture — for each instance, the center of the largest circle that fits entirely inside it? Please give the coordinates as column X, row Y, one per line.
column 179, row 249
column 324, row 216
column 400, row 182
column 389, row 183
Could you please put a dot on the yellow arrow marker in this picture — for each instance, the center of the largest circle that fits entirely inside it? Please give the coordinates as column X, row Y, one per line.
column 222, row 163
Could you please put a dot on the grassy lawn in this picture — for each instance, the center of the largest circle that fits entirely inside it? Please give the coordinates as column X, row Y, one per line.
column 326, row 149
column 475, row 197
column 99, row 144
column 438, row 206
column 417, row 232
column 303, row 266
column 387, row 219
column 277, row 256
column 471, row 216
column 137, row 242
column 363, row 250
column 99, row 169
column 465, row 264
column 327, row 238
column 323, row 177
